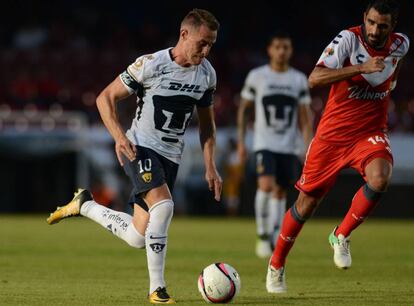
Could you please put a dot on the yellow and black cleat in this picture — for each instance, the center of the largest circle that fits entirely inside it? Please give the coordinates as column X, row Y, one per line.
column 160, row 296
column 72, row 208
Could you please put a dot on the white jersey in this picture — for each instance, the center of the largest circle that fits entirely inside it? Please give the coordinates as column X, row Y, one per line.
column 276, row 96
column 167, row 94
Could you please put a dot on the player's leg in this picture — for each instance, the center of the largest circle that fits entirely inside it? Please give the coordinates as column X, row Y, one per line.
column 287, row 171
column 265, row 185
column 378, row 174
column 277, row 209
column 292, row 224
column 373, row 160
column 262, row 214
column 160, row 209
column 118, row 223
column 321, row 168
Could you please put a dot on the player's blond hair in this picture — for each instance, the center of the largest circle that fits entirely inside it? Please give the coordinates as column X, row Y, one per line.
column 197, row 17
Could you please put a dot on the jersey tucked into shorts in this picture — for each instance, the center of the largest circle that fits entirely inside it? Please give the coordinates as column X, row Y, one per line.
column 352, row 131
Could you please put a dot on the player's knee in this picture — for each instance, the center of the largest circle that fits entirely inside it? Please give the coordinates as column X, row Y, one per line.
column 306, row 205
column 134, row 238
column 162, row 212
column 266, row 184
column 378, row 182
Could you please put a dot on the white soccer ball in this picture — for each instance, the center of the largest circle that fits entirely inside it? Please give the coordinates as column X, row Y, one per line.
column 219, row 283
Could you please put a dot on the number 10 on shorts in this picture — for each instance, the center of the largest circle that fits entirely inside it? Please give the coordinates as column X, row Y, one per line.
column 146, row 166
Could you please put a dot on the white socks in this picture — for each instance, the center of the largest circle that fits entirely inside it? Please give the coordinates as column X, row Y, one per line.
column 261, row 207
column 156, row 241
column 269, row 213
column 119, row 223
column 277, row 209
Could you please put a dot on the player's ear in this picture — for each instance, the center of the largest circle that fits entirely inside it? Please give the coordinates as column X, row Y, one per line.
column 183, row 34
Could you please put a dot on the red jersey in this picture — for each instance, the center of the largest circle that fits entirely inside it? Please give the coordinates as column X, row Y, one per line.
column 358, row 106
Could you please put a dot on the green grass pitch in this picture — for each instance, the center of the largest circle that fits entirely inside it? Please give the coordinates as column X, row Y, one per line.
column 77, row 262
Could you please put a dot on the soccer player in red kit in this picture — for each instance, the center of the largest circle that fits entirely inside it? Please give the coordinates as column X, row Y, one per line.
column 361, row 65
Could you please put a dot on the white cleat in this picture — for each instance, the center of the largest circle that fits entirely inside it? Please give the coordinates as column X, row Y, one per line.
column 263, row 248
column 342, row 250
column 275, row 280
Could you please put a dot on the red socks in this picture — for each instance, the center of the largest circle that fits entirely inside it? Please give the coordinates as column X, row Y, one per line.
column 291, row 226
column 362, row 205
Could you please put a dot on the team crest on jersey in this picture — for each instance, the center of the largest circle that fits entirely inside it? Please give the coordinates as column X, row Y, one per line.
column 147, row 177
column 329, row 51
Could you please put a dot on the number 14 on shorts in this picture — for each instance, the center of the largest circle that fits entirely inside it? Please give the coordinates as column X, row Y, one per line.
column 377, row 139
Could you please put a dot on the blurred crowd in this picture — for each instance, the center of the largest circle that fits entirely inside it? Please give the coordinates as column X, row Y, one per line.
column 61, row 54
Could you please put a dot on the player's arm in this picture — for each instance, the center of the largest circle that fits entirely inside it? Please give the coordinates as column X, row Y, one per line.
column 241, row 127
column 323, row 76
column 106, row 103
column 395, row 75
column 305, row 124
column 207, row 129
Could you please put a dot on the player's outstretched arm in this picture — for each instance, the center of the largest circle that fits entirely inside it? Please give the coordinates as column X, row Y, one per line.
column 241, row 128
column 106, row 103
column 207, row 128
column 322, row 76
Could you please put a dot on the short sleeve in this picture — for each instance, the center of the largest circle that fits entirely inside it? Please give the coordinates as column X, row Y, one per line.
column 208, row 97
column 134, row 76
column 304, row 94
column 402, row 44
column 249, row 89
column 337, row 51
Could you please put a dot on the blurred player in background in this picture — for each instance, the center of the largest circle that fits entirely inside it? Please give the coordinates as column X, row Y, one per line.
column 168, row 83
column 361, row 64
column 281, row 98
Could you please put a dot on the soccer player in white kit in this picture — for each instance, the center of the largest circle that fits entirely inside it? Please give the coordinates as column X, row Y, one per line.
column 281, row 98
column 169, row 84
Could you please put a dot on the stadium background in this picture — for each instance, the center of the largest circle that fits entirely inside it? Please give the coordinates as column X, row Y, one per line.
column 56, row 57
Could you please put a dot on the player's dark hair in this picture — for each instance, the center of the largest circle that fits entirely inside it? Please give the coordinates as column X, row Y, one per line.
column 385, row 7
column 278, row 35
column 198, row 17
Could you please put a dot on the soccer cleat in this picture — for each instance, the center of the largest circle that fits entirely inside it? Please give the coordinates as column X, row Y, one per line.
column 160, row 296
column 342, row 250
column 275, row 280
column 72, row 208
column 263, row 248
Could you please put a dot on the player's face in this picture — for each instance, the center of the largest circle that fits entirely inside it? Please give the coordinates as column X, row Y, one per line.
column 280, row 50
column 377, row 27
column 198, row 43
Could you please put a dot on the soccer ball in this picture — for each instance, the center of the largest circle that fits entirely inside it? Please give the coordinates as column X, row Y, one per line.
column 219, row 283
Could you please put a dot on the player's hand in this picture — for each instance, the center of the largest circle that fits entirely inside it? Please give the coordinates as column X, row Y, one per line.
column 242, row 151
column 374, row 64
column 215, row 183
column 125, row 147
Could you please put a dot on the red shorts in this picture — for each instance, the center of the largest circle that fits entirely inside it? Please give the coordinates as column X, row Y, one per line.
column 324, row 161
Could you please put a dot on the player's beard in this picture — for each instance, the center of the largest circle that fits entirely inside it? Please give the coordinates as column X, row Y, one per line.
column 376, row 42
